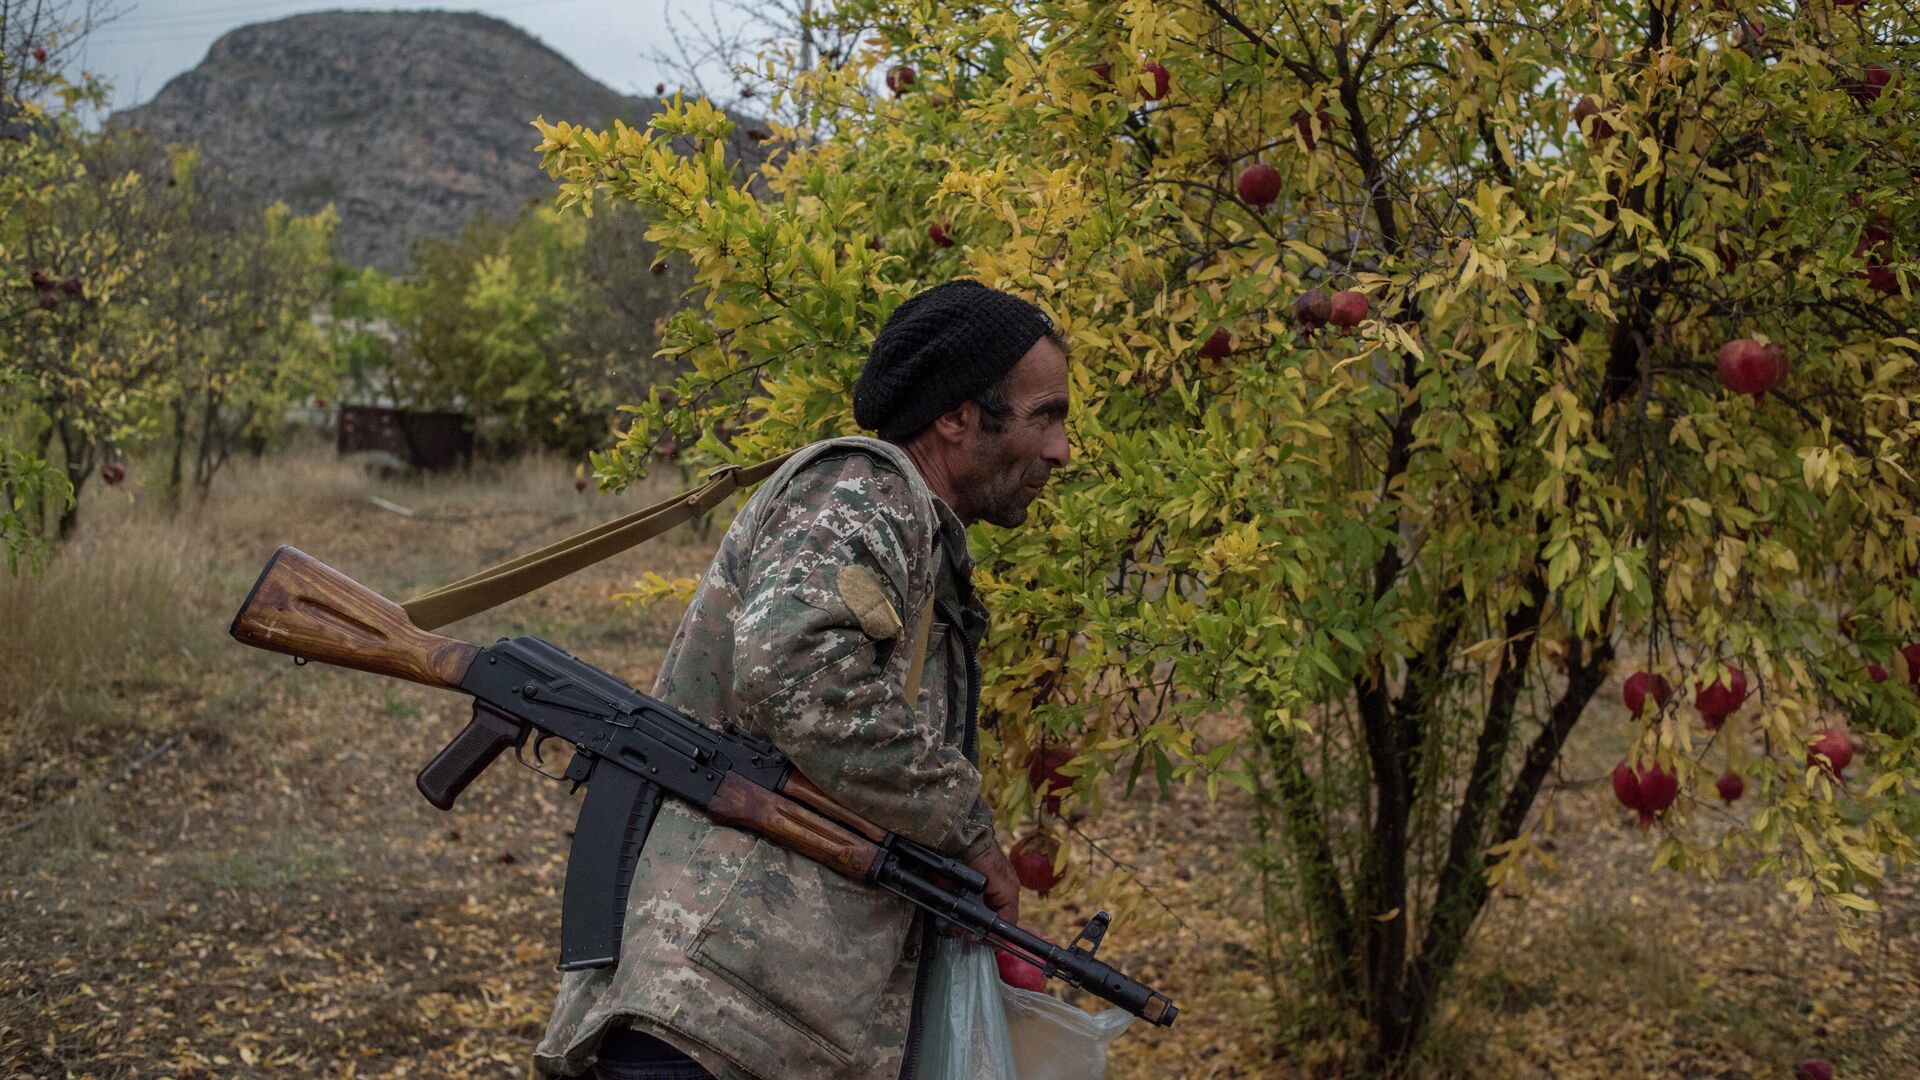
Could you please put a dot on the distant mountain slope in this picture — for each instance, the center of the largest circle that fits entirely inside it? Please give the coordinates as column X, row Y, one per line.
column 408, row 122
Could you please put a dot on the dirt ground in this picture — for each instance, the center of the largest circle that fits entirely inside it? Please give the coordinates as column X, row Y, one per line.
column 269, row 895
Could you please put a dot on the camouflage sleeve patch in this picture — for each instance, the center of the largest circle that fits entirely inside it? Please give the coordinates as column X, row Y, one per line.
column 844, row 554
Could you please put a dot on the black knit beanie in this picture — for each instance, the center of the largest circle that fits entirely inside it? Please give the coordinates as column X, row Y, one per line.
column 942, row 347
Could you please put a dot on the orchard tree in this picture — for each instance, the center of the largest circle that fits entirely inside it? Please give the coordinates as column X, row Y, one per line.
column 1432, row 364
column 230, row 300
column 543, row 323
column 71, row 242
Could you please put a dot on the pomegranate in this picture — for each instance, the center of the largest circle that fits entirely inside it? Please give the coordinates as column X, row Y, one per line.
column 1588, row 107
column 1747, row 367
column 1313, row 309
column 1347, row 308
column 1873, row 80
column 1835, row 747
column 1258, row 185
column 1813, row 1069
column 113, row 472
column 1018, row 971
column 1876, row 673
column 1911, row 654
column 1717, row 702
column 579, row 483
column 1159, row 82
column 1649, row 791
column 1873, row 246
column 1730, row 786
column 1032, row 858
column 899, row 77
column 1217, row 346
column 1043, row 773
column 1634, row 693
column 940, row 232
column 1306, row 123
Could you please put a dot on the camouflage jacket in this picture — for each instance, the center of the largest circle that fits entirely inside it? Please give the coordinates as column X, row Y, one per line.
column 754, row 961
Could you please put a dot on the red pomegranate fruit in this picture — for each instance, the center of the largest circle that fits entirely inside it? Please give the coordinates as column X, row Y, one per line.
column 1730, row 786
column 1043, row 773
column 1019, row 972
column 1347, row 308
column 1649, row 791
column 1835, row 747
column 1159, row 82
column 1638, row 685
column 1873, row 81
column 1313, row 309
column 1719, row 701
column 1258, row 185
column 1587, row 107
column 1875, row 245
column 1219, row 344
column 1813, row 1069
column 1747, row 367
column 1032, row 858
column 1307, row 123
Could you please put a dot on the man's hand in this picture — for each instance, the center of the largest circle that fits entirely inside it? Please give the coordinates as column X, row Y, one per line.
column 1003, row 888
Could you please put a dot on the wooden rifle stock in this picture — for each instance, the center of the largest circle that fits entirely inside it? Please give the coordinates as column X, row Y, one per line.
column 304, row 608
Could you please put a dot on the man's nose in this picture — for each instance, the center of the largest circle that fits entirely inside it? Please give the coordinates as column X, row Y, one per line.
column 1059, row 451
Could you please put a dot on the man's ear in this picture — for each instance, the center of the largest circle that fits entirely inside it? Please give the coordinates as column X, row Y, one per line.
column 954, row 424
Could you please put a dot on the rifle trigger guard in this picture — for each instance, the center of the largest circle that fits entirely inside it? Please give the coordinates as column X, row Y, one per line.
column 539, row 738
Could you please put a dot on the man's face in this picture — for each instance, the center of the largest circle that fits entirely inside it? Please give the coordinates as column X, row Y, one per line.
column 996, row 474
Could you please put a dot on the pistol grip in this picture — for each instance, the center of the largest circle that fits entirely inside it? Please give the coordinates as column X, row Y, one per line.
column 468, row 755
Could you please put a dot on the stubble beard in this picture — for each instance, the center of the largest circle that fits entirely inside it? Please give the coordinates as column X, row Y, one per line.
column 1002, row 495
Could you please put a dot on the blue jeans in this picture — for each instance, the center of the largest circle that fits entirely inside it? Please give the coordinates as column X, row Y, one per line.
column 626, row 1054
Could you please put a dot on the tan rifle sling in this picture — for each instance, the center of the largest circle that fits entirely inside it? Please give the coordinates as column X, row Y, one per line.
column 518, row 576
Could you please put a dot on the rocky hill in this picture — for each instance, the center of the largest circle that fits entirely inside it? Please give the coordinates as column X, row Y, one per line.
column 408, row 122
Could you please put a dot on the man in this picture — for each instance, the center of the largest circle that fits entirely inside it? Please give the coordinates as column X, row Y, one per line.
column 739, row 958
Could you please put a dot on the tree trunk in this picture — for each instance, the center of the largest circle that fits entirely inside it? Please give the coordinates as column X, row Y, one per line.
column 1295, row 803
column 1463, row 890
column 79, row 462
column 176, row 478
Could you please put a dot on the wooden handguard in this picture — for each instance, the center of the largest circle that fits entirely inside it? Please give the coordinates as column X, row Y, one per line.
column 800, row 788
column 744, row 804
column 305, row 608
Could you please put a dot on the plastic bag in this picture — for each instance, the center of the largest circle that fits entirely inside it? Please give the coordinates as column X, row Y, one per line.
column 979, row 1028
column 1053, row 1040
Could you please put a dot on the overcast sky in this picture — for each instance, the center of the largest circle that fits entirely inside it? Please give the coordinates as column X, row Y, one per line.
column 611, row 40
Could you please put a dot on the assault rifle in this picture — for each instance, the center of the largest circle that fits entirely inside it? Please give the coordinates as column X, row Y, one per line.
column 631, row 750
